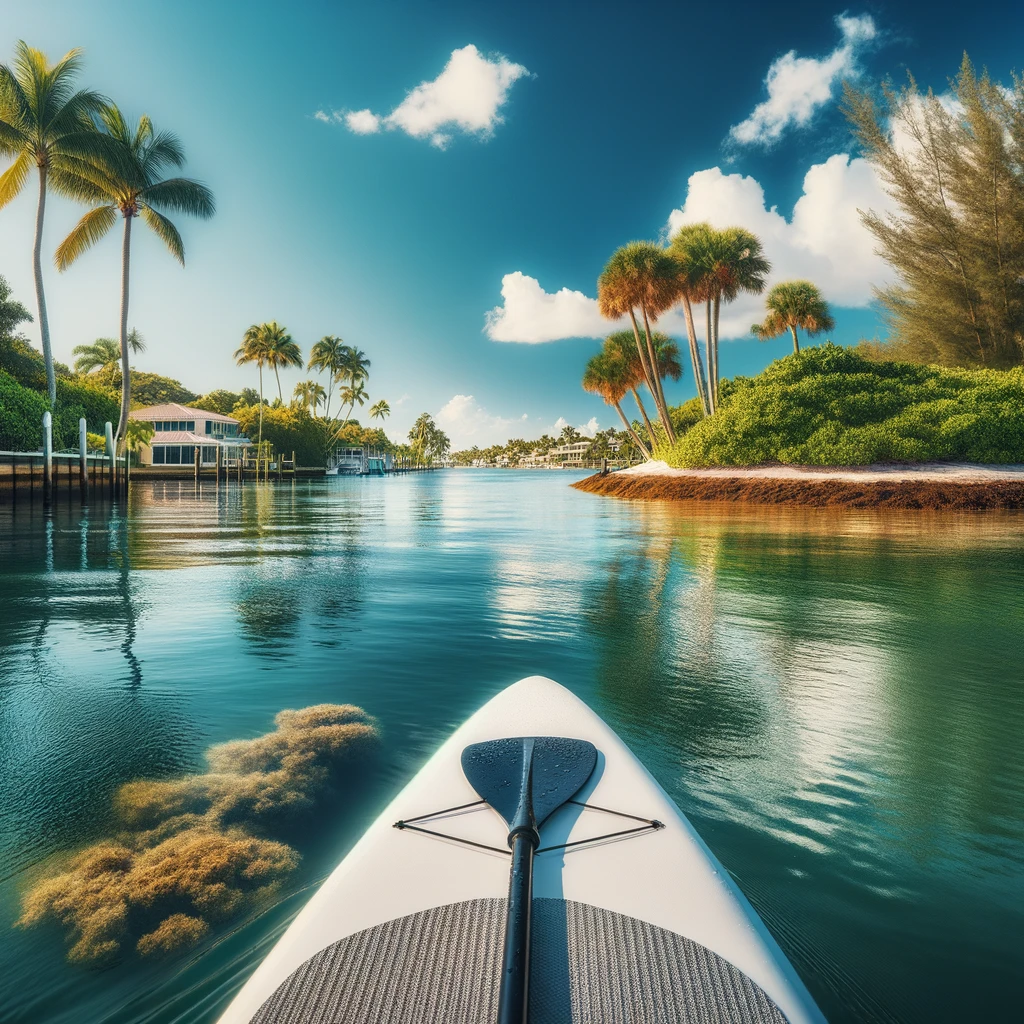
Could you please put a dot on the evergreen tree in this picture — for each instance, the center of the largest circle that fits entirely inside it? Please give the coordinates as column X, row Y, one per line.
column 954, row 165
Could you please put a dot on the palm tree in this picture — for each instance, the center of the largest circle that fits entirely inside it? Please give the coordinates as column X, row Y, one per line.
column 254, row 350
column 131, row 182
column 610, row 375
column 792, row 305
column 281, row 351
column 355, row 366
column 719, row 265
column 105, row 354
column 380, row 410
column 667, row 355
column 310, row 394
column 44, row 122
column 641, row 276
column 329, row 355
column 688, row 295
column 352, row 395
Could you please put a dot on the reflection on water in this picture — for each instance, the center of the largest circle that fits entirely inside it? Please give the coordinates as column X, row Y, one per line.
column 834, row 698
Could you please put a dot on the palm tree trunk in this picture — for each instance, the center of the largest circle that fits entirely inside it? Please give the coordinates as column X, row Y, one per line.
column 642, row 352
column 659, row 395
column 280, row 395
column 632, row 433
column 796, row 344
column 709, row 350
column 643, row 413
column 37, row 270
column 718, row 310
column 698, row 369
column 126, row 378
column 260, row 441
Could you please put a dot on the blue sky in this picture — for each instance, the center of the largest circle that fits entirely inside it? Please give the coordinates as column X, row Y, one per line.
column 576, row 128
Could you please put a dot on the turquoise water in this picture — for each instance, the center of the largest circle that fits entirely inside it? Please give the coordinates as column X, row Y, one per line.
column 835, row 699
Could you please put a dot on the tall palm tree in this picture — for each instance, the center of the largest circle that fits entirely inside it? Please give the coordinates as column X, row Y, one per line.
column 104, row 354
column 353, row 395
column 328, row 356
column 355, row 366
column 310, row 394
column 44, row 121
column 254, row 349
column 792, row 305
column 281, row 351
column 688, row 294
column 667, row 356
column 720, row 265
column 641, row 276
column 610, row 375
column 380, row 410
column 130, row 181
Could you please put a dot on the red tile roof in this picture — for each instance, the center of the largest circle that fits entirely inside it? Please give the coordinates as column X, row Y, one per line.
column 174, row 411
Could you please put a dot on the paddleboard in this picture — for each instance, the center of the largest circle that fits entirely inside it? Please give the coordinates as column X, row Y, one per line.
column 634, row 920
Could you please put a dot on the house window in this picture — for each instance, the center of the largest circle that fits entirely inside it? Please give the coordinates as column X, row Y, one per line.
column 209, row 427
column 209, row 453
column 158, row 455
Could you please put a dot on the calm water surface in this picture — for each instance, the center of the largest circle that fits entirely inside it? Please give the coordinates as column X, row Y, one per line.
column 835, row 699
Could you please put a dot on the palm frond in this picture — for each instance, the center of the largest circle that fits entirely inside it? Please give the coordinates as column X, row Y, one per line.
column 164, row 150
column 12, row 181
column 12, row 138
column 86, row 233
column 76, row 115
column 183, row 195
column 166, row 231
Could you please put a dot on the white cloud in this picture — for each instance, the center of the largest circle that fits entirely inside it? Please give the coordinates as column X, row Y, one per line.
column 467, row 96
column 798, row 86
column 467, row 423
column 824, row 241
column 362, row 122
column 588, row 429
column 531, row 315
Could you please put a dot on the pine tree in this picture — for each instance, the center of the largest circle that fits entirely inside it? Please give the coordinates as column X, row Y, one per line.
column 954, row 166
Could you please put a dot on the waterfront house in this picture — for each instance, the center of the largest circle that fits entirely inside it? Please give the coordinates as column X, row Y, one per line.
column 180, row 430
column 571, row 454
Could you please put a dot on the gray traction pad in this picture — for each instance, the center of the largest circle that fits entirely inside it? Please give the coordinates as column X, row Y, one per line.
column 587, row 966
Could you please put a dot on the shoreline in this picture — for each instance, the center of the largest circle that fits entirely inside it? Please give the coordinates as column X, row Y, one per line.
column 929, row 486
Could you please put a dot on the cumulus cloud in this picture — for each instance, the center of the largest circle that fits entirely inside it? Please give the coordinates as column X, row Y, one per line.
column 798, row 86
column 362, row 122
column 588, row 429
column 531, row 315
column 467, row 97
column 823, row 241
column 468, row 423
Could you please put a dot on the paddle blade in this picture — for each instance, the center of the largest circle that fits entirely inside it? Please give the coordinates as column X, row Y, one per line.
column 528, row 777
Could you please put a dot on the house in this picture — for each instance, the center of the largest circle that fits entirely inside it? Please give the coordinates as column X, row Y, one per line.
column 571, row 454
column 180, row 430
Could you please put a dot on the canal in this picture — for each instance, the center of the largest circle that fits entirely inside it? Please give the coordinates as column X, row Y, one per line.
column 834, row 698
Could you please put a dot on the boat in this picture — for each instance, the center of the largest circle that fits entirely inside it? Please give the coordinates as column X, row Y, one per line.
column 626, row 915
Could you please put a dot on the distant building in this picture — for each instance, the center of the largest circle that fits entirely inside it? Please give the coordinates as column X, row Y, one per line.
column 180, row 430
column 570, row 454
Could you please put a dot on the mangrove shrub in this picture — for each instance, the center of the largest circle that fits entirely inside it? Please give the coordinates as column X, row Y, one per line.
column 829, row 406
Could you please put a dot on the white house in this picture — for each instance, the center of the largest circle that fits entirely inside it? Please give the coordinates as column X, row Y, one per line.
column 180, row 430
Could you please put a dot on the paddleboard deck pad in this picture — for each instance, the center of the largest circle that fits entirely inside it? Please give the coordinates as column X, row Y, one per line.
column 633, row 919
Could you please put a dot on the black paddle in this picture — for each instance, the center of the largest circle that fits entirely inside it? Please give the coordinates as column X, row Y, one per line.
column 525, row 780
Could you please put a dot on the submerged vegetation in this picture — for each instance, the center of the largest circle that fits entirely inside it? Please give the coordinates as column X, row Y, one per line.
column 195, row 850
column 830, row 406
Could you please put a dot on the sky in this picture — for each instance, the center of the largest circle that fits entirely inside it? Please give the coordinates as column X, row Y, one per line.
column 441, row 184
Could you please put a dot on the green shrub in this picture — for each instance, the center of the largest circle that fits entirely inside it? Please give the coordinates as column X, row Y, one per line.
column 22, row 408
column 830, row 406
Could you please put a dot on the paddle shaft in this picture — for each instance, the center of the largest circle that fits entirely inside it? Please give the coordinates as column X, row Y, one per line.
column 514, row 994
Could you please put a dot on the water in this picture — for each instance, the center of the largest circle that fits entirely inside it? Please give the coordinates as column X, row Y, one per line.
column 834, row 698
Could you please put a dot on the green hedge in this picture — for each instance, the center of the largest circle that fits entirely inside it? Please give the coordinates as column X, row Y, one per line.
column 829, row 406
column 22, row 408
